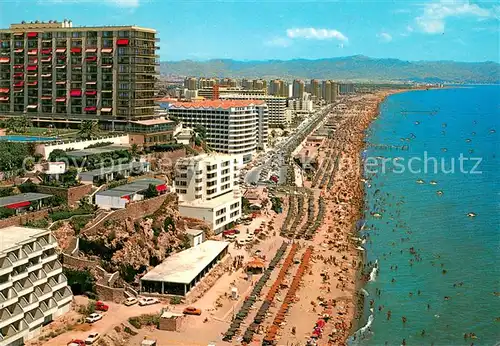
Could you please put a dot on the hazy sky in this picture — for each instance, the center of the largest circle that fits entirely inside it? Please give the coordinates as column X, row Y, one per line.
column 203, row 29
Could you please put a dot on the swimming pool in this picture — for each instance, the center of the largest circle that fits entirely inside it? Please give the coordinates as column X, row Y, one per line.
column 20, row 138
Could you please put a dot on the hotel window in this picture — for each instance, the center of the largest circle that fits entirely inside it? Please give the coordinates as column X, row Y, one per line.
column 181, row 183
column 76, row 34
column 182, row 192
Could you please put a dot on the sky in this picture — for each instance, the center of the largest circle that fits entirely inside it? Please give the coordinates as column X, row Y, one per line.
column 457, row 30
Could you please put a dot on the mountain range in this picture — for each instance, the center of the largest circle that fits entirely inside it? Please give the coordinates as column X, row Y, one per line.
column 354, row 68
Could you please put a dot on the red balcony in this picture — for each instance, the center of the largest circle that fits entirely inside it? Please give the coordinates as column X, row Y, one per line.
column 19, row 84
column 61, row 99
column 4, row 60
column 4, row 98
column 46, row 51
column 91, row 92
column 4, row 90
column 122, row 42
column 90, row 109
column 75, row 93
column 33, row 52
column 61, row 57
column 18, row 75
column 33, row 83
column 91, row 59
column 31, row 68
column 18, row 67
column 32, row 34
column 76, row 50
column 18, row 50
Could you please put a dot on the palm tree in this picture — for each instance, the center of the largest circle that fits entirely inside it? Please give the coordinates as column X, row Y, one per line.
column 88, row 129
column 134, row 150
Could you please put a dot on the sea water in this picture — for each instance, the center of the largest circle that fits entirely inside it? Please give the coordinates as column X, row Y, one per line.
column 448, row 261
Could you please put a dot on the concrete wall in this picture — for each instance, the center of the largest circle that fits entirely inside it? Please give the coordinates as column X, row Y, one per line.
column 107, row 293
column 72, row 194
column 46, row 149
column 171, row 324
column 77, row 262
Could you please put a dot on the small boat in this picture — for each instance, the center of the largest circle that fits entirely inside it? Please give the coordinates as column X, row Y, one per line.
column 433, row 182
column 420, row 181
column 444, row 150
column 492, row 131
column 468, row 140
column 439, row 193
column 417, row 122
column 377, row 215
column 471, row 214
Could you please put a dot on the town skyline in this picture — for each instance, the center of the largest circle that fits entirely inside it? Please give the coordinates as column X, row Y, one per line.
column 273, row 30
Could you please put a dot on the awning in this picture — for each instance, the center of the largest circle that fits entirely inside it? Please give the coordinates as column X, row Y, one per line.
column 32, row 34
column 4, row 90
column 61, row 99
column 60, row 50
column 61, row 57
column 107, row 50
column 18, row 67
column 46, row 75
column 61, row 66
column 61, row 82
column 90, row 109
column 46, row 51
column 18, row 205
column 18, row 74
column 19, row 84
column 106, row 109
column 4, row 60
column 18, row 50
column 33, row 52
column 34, row 61
column 18, row 34
column 46, row 97
column 91, row 92
column 75, row 93
column 4, row 98
column 91, row 83
column 91, row 58
column 47, row 59
column 33, row 83
column 90, row 50
column 32, row 68
column 32, row 106
column 161, row 188
column 122, row 42
column 76, row 50
column 106, row 66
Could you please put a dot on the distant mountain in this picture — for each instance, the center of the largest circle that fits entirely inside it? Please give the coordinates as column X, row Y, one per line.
column 357, row 68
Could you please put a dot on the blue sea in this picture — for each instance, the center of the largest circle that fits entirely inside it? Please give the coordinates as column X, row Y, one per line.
column 435, row 235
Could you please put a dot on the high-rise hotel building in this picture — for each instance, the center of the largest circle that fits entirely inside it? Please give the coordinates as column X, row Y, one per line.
column 55, row 72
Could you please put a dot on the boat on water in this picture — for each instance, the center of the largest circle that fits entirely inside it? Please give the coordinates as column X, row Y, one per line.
column 433, row 182
column 439, row 193
column 471, row 214
column 420, row 181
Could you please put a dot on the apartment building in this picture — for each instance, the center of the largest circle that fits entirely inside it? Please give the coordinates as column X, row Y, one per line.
column 277, row 108
column 346, row 88
column 54, row 72
column 207, row 186
column 33, row 289
column 298, row 89
column 232, row 127
column 315, row 89
column 277, row 87
column 301, row 106
column 329, row 91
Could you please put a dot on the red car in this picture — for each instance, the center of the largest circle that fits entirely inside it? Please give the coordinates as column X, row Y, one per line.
column 100, row 306
column 76, row 342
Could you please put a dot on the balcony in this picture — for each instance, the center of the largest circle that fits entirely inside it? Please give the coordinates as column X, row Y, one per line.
column 10, row 316
column 63, row 296
column 49, row 257
column 19, row 274
column 48, row 307
column 38, row 278
column 58, row 283
column 34, row 318
column 5, row 266
column 53, row 268
column 11, row 334
column 23, row 287
column 28, row 305
column 43, row 292
column 33, row 250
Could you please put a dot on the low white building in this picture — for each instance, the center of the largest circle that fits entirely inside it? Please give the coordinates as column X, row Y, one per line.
column 120, row 196
column 196, row 236
column 33, row 289
column 208, row 190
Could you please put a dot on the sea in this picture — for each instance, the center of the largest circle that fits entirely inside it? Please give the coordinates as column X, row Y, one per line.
column 432, row 233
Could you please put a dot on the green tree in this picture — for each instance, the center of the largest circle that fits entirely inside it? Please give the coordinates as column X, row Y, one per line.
column 88, row 129
column 58, row 155
column 134, row 150
column 27, row 186
column 24, row 123
column 151, row 191
column 69, row 178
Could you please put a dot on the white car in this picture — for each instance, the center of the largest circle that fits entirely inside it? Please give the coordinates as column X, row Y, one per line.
column 148, row 301
column 92, row 338
column 93, row 318
column 130, row 301
column 242, row 241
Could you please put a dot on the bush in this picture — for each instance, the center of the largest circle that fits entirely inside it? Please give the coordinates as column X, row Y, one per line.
column 151, row 191
column 87, row 310
column 98, row 145
column 80, row 281
column 27, row 186
column 79, row 222
column 43, row 223
column 169, row 224
column 129, row 331
column 6, row 191
column 66, row 214
column 175, row 300
column 6, row 212
column 145, row 320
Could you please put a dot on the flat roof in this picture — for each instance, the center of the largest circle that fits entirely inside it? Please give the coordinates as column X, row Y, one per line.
column 129, row 189
column 210, row 204
column 23, row 197
column 184, row 266
column 215, row 104
column 194, row 232
column 13, row 236
column 94, row 151
column 150, row 122
column 112, row 169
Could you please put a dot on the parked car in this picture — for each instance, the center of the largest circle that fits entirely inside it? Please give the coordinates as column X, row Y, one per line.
column 92, row 338
column 148, row 301
column 242, row 241
column 228, row 232
column 191, row 311
column 93, row 318
column 231, row 237
column 76, row 342
column 100, row 306
column 148, row 342
column 130, row 301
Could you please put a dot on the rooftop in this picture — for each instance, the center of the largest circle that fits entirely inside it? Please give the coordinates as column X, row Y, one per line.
column 216, row 104
column 194, row 232
column 210, row 204
column 23, row 197
column 14, row 236
column 132, row 188
column 184, row 266
column 151, row 122
column 115, row 168
column 95, row 151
